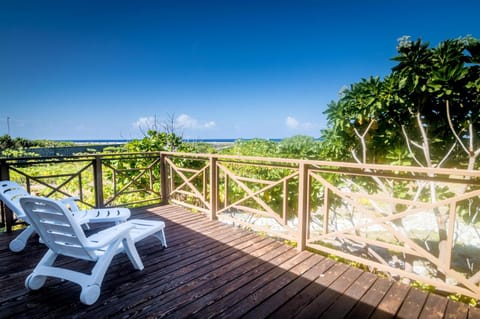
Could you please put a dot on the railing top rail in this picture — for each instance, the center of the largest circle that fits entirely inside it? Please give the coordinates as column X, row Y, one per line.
column 286, row 161
column 323, row 164
column 61, row 158
column 234, row 157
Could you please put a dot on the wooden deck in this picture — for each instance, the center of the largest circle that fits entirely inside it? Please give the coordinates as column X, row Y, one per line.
column 212, row 270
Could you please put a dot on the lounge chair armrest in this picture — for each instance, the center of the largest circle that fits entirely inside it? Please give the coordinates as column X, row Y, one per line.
column 70, row 202
column 105, row 237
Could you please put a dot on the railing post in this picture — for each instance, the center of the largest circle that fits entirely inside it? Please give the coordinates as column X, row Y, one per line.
column 213, row 188
column 302, row 205
column 7, row 214
column 4, row 170
column 163, row 179
column 326, row 206
column 98, row 182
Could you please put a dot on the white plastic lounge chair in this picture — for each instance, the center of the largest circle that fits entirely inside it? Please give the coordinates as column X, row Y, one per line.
column 11, row 192
column 63, row 236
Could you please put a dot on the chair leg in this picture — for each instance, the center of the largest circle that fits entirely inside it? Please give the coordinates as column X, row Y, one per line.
column 35, row 282
column 161, row 236
column 90, row 294
column 91, row 286
column 19, row 243
column 102, row 264
column 39, row 275
column 132, row 253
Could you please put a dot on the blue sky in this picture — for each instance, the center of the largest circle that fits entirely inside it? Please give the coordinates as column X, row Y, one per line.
column 220, row 69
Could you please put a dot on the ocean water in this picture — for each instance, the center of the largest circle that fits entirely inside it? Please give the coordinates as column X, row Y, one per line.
column 100, row 141
column 204, row 140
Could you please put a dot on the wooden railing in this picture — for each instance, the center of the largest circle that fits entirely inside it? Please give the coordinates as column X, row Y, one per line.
column 418, row 224
column 128, row 179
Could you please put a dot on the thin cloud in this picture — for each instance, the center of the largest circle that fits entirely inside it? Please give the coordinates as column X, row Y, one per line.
column 187, row 122
column 210, row 124
column 291, row 122
column 144, row 123
column 294, row 124
column 182, row 122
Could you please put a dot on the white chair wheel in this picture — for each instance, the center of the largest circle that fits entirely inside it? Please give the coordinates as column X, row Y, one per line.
column 35, row 282
column 16, row 245
column 90, row 294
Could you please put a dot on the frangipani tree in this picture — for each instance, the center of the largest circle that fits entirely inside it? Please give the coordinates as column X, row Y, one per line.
column 440, row 88
column 429, row 102
column 425, row 113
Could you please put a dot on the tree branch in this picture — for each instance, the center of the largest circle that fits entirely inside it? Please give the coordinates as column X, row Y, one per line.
column 470, row 129
column 450, row 123
column 356, row 158
column 426, row 147
column 410, row 147
column 447, row 155
column 416, row 144
column 362, row 139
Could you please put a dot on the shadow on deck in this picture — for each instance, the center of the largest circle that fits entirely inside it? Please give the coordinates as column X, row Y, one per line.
column 213, row 270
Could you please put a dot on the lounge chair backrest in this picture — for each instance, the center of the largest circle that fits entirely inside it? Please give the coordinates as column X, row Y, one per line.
column 63, row 235
column 10, row 194
column 57, row 227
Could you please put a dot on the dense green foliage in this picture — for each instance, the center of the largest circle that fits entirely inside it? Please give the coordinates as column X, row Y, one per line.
column 6, row 142
column 430, row 100
column 299, row 146
column 18, row 147
column 424, row 113
column 154, row 141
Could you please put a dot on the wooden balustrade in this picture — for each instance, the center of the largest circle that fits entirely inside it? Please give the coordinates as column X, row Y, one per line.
column 420, row 224
column 105, row 180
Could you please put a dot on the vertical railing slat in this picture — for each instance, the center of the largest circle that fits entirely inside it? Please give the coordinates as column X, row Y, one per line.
column 80, row 192
column 7, row 214
column 326, row 204
column 213, row 188
column 98, row 181
column 204, row 184
column 302, row 205
column 450, row 235
column 163, row 178
column 226, row 195
column 285, row 202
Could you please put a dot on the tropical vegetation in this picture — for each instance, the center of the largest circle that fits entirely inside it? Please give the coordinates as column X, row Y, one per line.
column 424, row 113
column 19, row 146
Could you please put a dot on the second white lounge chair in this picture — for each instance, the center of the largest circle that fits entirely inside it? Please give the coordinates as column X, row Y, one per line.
column 63, row 236
column 11, row 192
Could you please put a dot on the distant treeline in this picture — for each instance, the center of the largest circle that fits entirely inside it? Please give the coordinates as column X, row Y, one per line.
column 69, row 150
column 22, row 147
column 7, row 142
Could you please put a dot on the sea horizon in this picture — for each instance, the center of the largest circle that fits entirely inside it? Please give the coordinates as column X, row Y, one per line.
column 188, row 140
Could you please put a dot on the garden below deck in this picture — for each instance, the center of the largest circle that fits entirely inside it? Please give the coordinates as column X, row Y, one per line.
column 215, row 270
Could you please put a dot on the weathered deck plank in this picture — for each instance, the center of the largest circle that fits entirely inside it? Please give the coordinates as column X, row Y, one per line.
column 328, row 297
column 390, row 304
column 212, row 270
column 348, row 300
column 370, row 300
